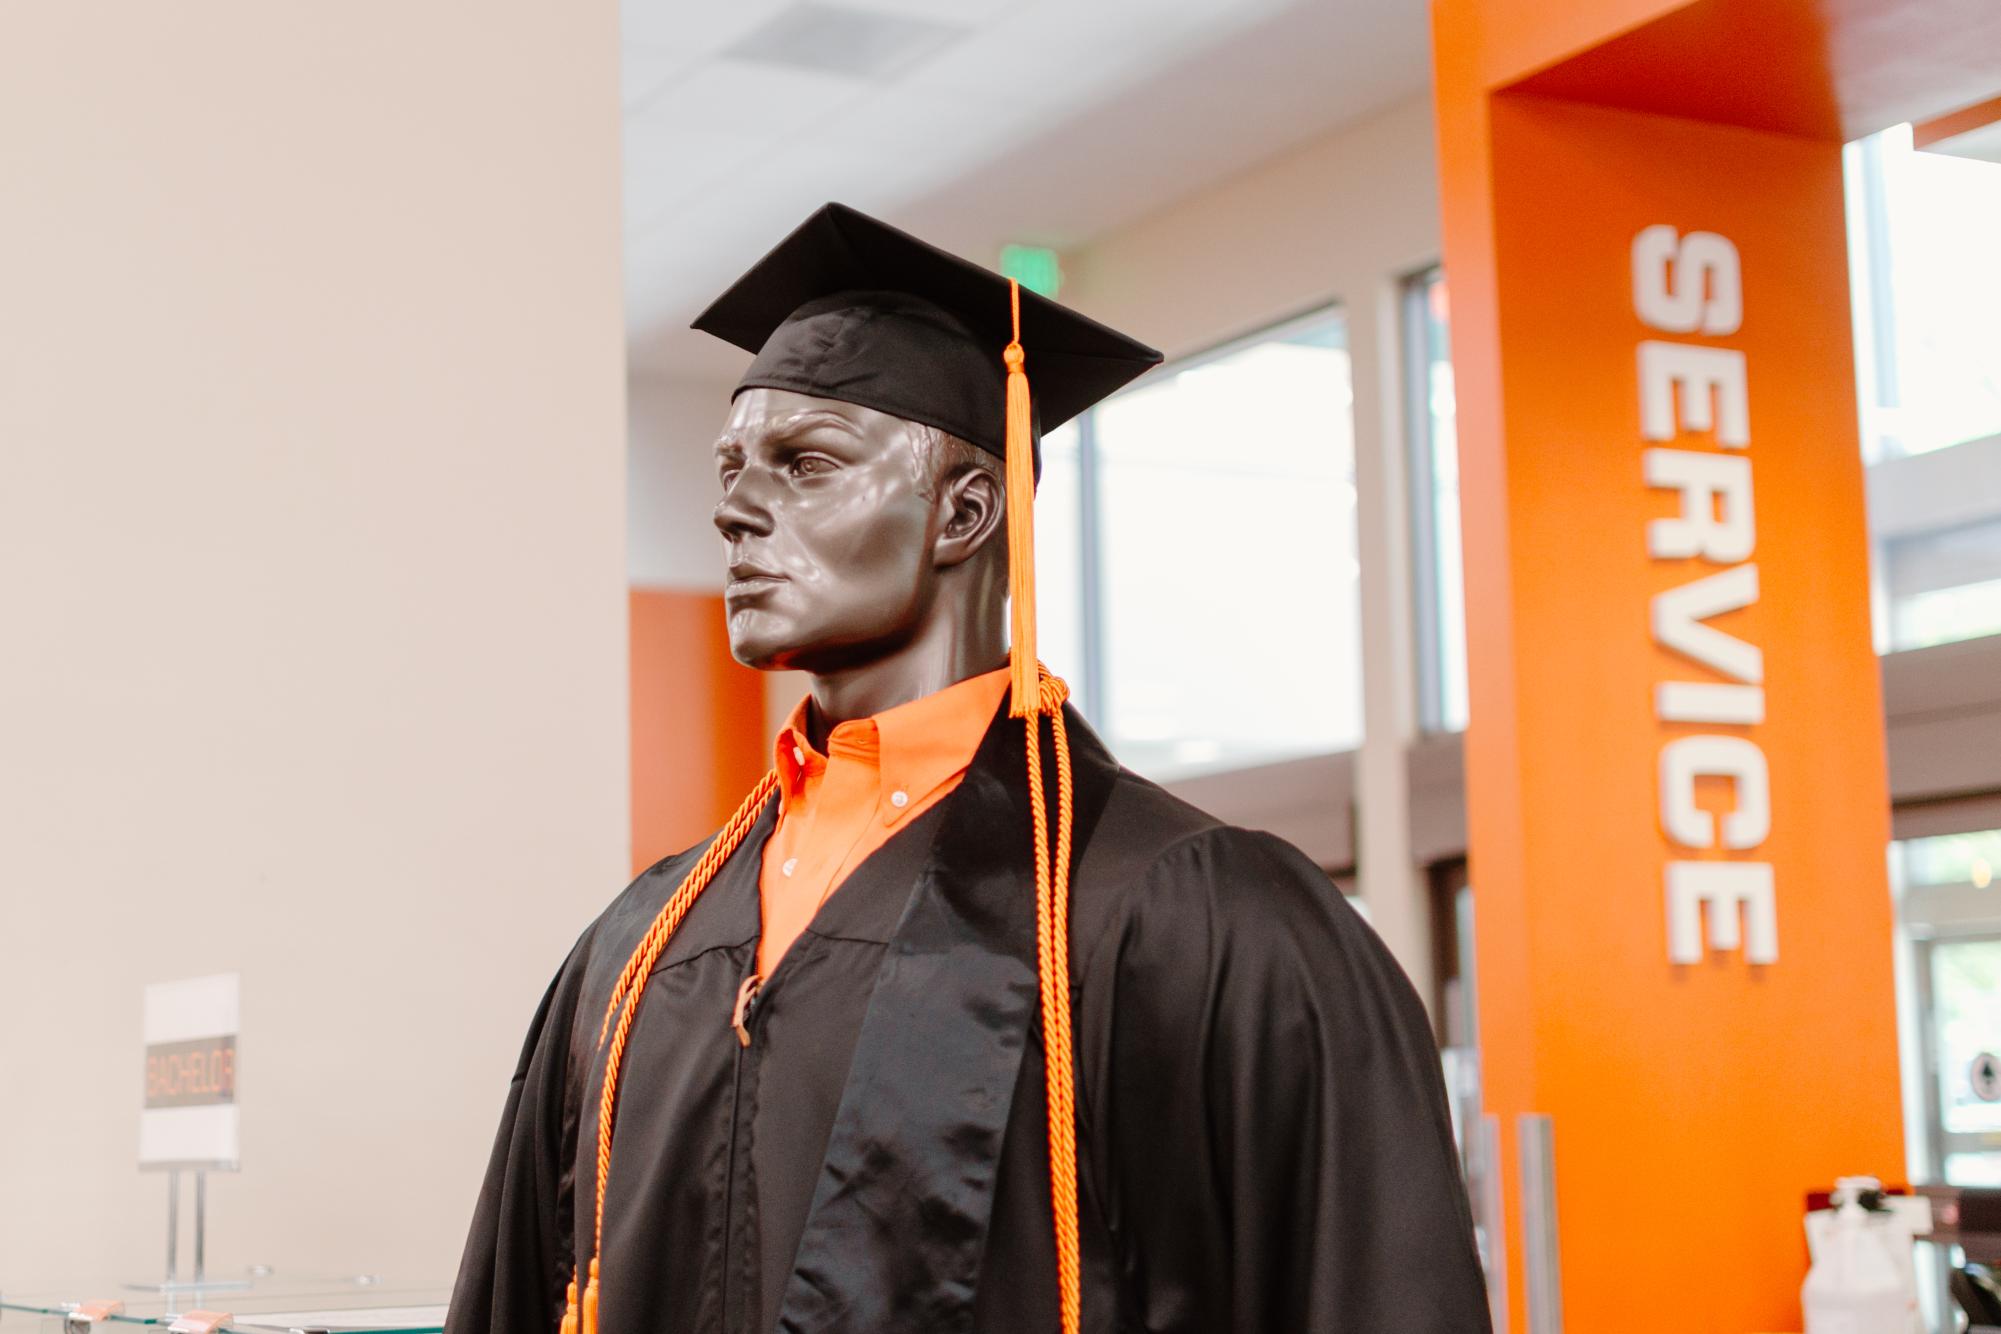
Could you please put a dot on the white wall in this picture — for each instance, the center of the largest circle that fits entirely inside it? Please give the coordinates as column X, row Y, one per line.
column 671, row 496
column 312, row 587
column 1342, row 218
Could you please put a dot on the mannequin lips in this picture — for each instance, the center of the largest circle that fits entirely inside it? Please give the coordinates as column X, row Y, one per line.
column 747, row 579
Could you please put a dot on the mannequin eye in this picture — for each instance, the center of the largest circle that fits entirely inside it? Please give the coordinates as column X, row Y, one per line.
column 812, row 465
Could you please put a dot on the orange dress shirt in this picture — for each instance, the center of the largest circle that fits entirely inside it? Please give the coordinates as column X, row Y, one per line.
column 878, row 774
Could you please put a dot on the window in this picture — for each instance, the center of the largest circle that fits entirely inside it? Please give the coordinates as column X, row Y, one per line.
column 1060, row 627
column 1927, row 283
column 1206, row 603
column 1431, row 422
column 1949, row 963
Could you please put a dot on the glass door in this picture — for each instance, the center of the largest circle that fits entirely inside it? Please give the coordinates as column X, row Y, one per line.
column 1961, row 978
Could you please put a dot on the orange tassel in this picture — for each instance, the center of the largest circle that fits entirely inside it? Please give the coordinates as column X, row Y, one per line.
column 590, row 1322
column 1020, row 521
column 1038, row 692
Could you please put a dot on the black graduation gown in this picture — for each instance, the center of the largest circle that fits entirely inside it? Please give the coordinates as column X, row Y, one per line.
column 1263, row 1135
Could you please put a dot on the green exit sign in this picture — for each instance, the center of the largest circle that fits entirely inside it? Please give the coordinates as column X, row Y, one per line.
column 1034, row 267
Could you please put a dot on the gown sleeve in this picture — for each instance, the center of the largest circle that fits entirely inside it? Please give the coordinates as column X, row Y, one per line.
column 1279, row 1155
column 515, row 1271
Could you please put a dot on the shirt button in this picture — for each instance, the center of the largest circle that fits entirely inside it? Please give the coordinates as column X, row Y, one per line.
column 791, row 864
column 798, row 755
column 899, row 798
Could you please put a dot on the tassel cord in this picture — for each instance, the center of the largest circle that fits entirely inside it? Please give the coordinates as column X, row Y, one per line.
column 623, row 1008
column 1035, row 693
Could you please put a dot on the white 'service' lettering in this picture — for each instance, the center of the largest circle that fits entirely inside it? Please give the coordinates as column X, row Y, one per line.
column 1693, row 284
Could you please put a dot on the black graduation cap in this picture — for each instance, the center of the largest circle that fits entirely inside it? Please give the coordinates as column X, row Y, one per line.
column 850, row 308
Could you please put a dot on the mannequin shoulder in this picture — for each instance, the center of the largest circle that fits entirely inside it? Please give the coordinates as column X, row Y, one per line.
column 1153, row 855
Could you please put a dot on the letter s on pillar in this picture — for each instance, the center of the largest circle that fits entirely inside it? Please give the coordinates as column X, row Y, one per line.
column 1688, row 283
column 1685, row 759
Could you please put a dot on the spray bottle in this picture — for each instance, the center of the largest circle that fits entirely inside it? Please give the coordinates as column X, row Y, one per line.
column 1863, row 1279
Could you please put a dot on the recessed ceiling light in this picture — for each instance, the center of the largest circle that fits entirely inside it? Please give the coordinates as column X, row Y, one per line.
column 832, row 39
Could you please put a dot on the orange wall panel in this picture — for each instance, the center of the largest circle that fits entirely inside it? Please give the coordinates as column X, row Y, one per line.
column 1757, row 1081
column 698, row 742
column 1693, row 1103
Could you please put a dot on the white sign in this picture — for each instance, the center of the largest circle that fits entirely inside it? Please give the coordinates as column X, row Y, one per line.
column 188, row 1115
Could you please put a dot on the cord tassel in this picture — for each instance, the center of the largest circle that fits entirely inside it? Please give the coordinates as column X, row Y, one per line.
column 1038, row 692
column 1020, row 520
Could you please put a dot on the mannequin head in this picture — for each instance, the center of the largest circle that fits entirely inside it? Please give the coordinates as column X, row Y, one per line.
column 864, row 549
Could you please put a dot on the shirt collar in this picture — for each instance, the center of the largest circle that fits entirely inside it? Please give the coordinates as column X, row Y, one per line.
column 914, row 747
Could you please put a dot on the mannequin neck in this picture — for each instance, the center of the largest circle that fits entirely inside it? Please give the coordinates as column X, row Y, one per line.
column 963, row 637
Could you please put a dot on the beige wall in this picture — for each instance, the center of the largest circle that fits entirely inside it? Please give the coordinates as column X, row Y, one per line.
column 312, row 588
column 1338, row 218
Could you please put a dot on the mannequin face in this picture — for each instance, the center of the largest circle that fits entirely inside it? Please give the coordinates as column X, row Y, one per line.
column 837, row 557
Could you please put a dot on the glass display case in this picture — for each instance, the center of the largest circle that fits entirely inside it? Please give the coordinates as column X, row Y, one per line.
column 266, row 1304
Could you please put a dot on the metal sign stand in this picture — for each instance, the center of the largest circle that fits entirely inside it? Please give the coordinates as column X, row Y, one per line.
column 200, row 1282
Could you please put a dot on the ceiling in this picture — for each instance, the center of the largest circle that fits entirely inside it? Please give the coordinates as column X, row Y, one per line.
column 971, row 122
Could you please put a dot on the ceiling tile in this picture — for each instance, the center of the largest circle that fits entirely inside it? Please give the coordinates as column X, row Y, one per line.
column 668, row 164
column 864, row 44
column 1052, row 122
column 742, row 97
column 906, row 123
column 973, row 13
column 642, row 71
column 691, row 31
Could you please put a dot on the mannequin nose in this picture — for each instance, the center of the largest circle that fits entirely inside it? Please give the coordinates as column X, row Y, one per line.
column 742, row 511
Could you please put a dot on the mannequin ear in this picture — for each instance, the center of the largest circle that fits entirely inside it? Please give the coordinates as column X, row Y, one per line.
column 971, row 504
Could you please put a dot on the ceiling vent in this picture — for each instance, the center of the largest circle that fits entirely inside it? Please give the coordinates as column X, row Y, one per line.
column 859, row 43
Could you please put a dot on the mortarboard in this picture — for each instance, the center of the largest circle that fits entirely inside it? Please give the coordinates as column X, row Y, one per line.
column 850, row 308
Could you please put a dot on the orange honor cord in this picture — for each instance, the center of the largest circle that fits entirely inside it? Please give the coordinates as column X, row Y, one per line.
column 624, row 1005
column 1037, row 692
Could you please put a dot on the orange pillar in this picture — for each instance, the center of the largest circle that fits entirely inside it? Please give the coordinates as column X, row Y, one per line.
column 698, row 742
column 1677, row 796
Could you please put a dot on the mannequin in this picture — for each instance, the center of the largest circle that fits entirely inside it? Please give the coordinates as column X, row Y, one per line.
column 887, row 1057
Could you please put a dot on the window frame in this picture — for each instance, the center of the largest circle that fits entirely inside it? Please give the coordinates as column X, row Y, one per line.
column 1427, row 620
